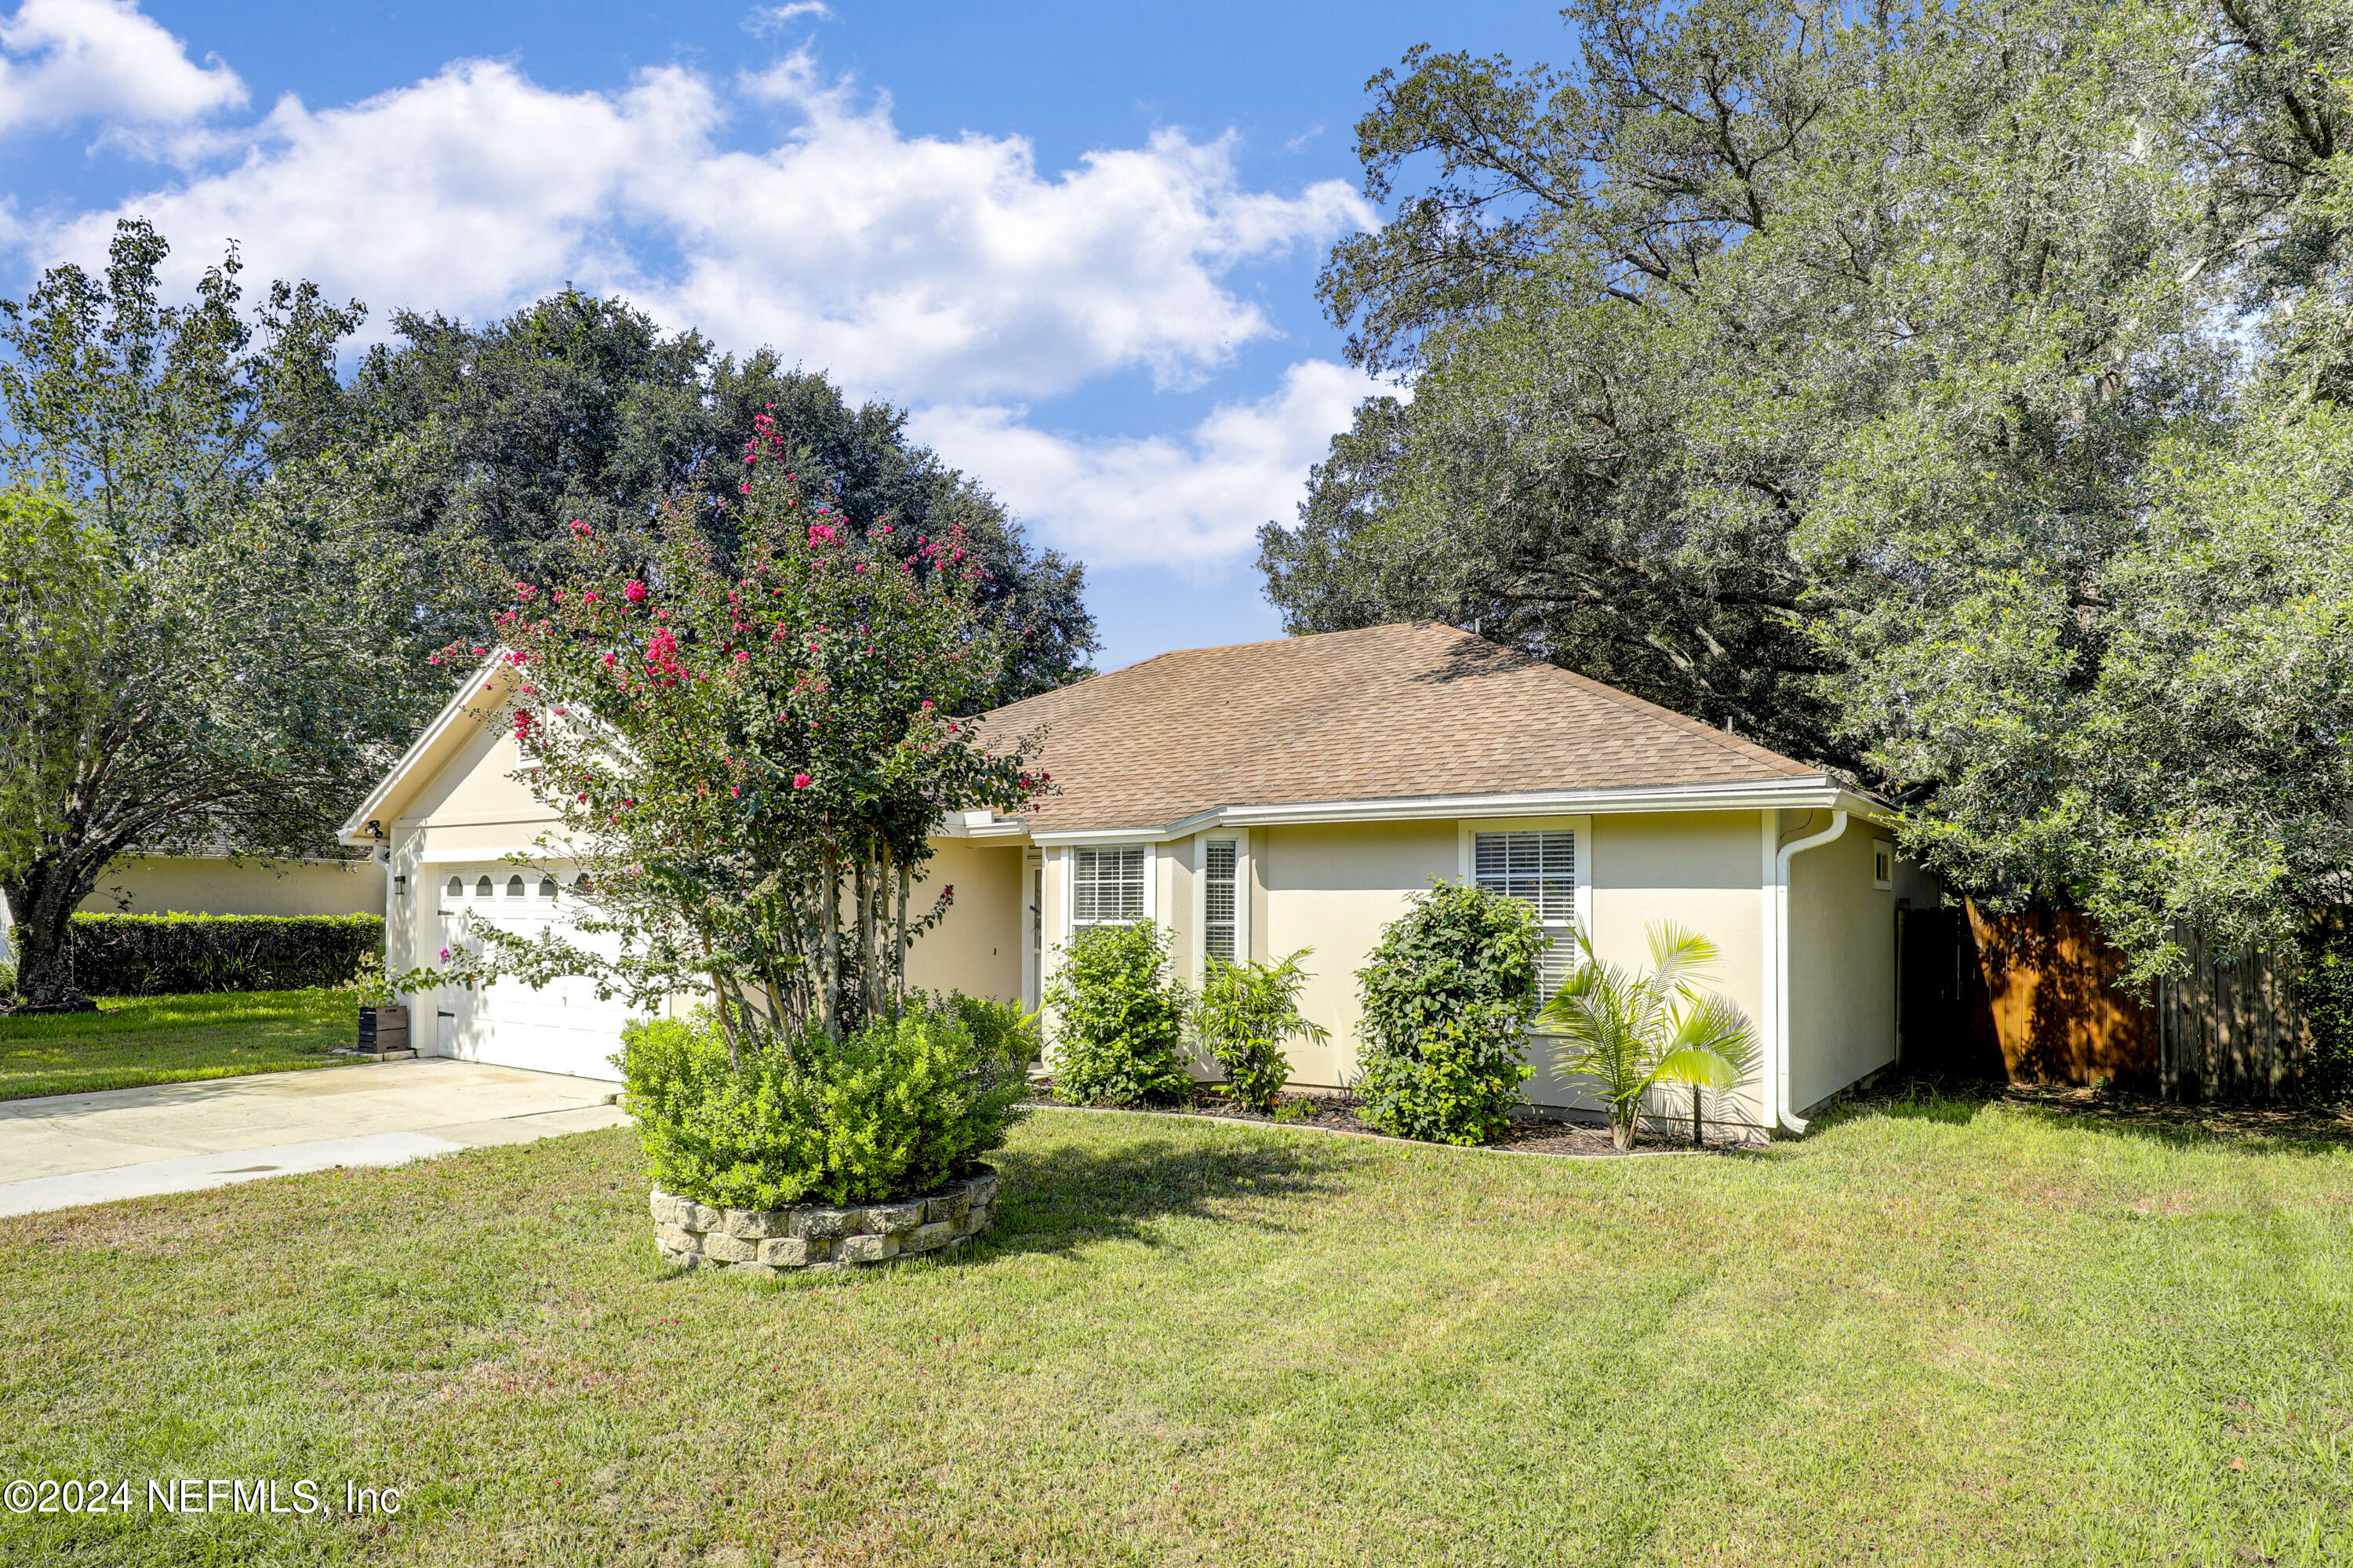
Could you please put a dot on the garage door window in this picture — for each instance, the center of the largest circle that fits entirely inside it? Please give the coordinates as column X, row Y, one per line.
column 456, row 889
column 482, row 888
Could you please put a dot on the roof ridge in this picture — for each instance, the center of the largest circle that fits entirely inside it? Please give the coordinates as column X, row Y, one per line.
column 1405, row 710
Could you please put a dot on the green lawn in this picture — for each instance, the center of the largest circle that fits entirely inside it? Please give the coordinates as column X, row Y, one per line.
column 1946, row 1331
column 134, row 1039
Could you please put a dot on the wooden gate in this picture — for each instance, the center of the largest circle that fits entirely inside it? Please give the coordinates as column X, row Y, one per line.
column 2033, row 997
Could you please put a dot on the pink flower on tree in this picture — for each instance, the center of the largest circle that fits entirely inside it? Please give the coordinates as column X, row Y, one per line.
column 634, row 591
column 445, row 955
column 802, row 781
column 820, row 534
column 580, row 530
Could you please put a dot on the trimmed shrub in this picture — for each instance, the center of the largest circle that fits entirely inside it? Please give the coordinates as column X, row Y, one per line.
column 892, row 1109
column 1244, row 1014
column 1448, row 996
column 1119, row 1019
column 175, row 955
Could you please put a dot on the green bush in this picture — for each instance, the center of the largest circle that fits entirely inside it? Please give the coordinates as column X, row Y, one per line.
column 1000, row 1029
column 1119, row 1019
column 891, row 1110
column 1244, row 1014
column 1447, row 997
column 2324, row 993
column 180, row 955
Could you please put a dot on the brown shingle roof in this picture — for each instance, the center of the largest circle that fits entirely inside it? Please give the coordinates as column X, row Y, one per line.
column 1387, row 712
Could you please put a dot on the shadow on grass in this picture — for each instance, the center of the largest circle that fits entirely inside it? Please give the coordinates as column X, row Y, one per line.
column 1057, row 1199
column 2247, row 1129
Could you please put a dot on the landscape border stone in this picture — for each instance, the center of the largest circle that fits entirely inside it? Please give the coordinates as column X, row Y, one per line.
column 770, row 1243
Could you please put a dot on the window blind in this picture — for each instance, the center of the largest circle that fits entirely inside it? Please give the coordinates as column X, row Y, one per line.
column 1539, row 869
column 1218, row 899
column 1107, row 887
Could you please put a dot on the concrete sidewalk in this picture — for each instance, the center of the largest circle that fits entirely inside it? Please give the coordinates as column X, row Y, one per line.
column 66, row 1149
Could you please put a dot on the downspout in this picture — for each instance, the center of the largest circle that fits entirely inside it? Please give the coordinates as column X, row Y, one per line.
column 1779, row 980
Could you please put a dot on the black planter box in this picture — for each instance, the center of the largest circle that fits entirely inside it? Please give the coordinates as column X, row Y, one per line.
column 383, row 1029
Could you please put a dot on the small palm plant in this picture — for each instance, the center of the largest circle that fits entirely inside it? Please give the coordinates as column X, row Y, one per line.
column 1630, row 1033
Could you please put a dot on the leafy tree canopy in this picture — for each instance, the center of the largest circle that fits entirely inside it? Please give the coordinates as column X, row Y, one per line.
column 748, row 756
column 577, row 408
column 208, row 650
column 1947, row 396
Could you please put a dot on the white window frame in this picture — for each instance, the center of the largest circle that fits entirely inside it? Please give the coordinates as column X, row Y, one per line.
column 1070, row 881
column 1240, row 837
column 1034, row 943
column 1581, row 853
column 1882, row 853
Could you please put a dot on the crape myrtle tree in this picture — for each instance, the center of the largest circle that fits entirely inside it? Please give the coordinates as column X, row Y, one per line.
column 208, row 652
column 750, row 752
column 496, row 436
column 1948, row 394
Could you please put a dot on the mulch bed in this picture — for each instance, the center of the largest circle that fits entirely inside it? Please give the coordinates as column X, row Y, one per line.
column 1337, row 1113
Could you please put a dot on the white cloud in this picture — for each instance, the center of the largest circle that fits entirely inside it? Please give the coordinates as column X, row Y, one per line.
column 469, row 193
column 1191, row 503
column 64, row 60
column 915, row 266
column 949, row 274
column 767, row 19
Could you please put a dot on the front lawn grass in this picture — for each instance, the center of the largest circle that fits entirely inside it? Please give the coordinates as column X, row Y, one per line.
column 1949, row 1331
column 135, row 1040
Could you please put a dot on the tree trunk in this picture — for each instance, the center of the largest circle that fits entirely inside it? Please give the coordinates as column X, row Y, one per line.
column 830, row 984
column 41, row 901
column 1699, row 1128
column 1622, row 1122
column 899, row 941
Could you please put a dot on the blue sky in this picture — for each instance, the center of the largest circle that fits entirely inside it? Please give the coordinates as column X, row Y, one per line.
column 1078, row 241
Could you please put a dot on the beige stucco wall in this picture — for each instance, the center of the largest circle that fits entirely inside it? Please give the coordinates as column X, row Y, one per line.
column 1703, row 870
column 1331, row 887
column 476, row 789
column 1177, row 866
column 977, row 948
column 192, row 885
column 1841, row 961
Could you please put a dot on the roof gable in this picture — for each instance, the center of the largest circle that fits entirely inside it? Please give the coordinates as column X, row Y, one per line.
column 1400, row 712
column 486, row 691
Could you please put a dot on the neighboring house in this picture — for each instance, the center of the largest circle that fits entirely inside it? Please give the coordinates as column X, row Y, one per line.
column 1262, row 798
column 222, row 885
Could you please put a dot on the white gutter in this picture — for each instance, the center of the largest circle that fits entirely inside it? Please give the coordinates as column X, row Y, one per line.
column 1815, row 792
column 1778, row 1109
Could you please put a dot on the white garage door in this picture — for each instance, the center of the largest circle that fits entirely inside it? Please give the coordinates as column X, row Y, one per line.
column 560, row 1028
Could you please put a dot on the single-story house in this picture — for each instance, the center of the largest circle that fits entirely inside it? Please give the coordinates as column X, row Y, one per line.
column 218, row 882
column 1272, row 797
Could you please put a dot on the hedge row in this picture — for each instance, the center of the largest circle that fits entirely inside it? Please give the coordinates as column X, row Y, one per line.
column 172, row 955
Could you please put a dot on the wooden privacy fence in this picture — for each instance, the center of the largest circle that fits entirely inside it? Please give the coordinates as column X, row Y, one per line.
column 2033, row 997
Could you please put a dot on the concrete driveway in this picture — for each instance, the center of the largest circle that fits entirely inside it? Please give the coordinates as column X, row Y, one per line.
column 66, row 1149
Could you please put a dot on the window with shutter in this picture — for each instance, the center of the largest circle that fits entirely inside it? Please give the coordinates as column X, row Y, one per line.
column 1539, row 869
column 1106, row 886
column 1218, row 899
